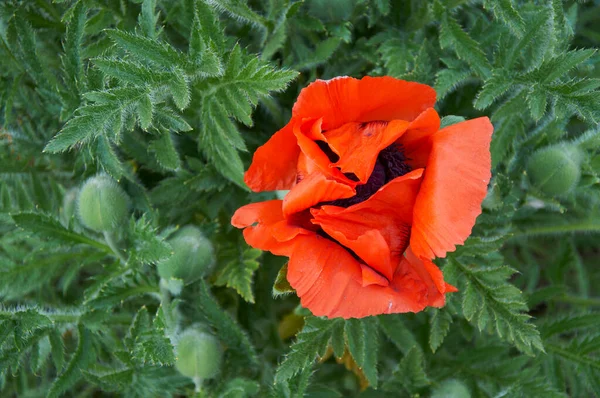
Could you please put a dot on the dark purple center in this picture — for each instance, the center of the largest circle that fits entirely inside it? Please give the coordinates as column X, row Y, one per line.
column 390, row 164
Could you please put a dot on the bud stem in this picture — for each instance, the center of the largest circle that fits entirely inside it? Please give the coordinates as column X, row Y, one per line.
column 110, row 241
column 165, row 302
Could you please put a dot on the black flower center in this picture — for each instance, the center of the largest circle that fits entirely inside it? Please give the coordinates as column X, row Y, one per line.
column 390, row 164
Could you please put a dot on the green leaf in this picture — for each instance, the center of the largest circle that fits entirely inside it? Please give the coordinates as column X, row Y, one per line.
column 467, row 49
column 488, row 296
column 537, row 99
column 311, row 342
column 50, row 228
column 80, row 129
column 238, row 9
column 493, row 88
column 144, row 48
column 147, row 18
column 448, row 80
column 149, row 247
column 165, row 152
column 504, row 11
column 397, row 331
column 240, row 264
column 281, row 285
column 363, row 343
column 450, row 120
column 57, row 349
column 558, row 66
column 81, row 359
column 203, row 48
column 409, row 375
column 226, row 328
column 439, row 326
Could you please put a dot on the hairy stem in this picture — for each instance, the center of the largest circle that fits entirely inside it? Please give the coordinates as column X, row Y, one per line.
column 110, row 241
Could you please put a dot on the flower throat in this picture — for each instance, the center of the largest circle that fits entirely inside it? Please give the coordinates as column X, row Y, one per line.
column 390, row 164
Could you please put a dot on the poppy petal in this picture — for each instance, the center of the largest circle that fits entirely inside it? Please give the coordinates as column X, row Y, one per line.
column 312, row 156
column 265, row 227
column 346, row 99
column 416, row 141
column 358, row 145
column 329, row 282
column 273, row 165
column 377, row 230
column 454, row 185
column 313, row 189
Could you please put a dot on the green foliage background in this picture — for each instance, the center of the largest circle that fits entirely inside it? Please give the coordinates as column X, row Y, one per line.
column 171, row 97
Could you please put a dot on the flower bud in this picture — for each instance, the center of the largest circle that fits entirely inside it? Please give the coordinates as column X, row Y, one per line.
column 193, row 256
column 555, row 170
column 102, row 204
column 451, row 388
column 199, row 355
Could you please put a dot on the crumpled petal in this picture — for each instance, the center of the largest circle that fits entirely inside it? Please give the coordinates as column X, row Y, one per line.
column 454, row 185
column 358, row 145
column 377, row 230
column 313, row 189
column 266, row 228
column 329, row 282
column 273, row 165
column 345, row 99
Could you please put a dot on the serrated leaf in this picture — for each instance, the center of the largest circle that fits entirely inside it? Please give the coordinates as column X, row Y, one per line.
column 50, row 228
column 144, row 109
column 227, row 329
column 83, row 356
column 160, row 53
column 439, row 326
column 448, row 80
column 363, row 343
column 237, row 272
column 487, row 288
column 409, row 375
column 148, row 18
column 281, row 286
column 165, row 152
column 453, row 36
column 239, row 10
column 493, row 88
column 537, row 99
column 505, row 11
column 311, row 342
column 396, row 330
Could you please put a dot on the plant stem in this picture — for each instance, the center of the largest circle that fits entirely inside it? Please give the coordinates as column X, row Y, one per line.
column 113, row 246
column 165, row 302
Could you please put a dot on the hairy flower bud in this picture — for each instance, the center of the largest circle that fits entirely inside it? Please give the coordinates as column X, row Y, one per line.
column 451, row 388
column 193, row 256
column 102, row 204
column 199, row 355
column 555, row 170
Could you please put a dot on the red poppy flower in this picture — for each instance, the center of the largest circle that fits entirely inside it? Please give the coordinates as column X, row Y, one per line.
column 377, row 191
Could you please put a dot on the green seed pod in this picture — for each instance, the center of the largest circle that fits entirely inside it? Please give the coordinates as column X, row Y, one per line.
column 199, row 355
column 451, row 389
column 193, row 256
column 555, row 170
column 102, row 204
